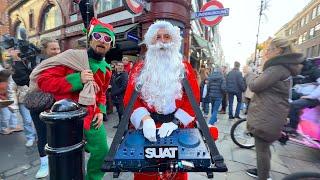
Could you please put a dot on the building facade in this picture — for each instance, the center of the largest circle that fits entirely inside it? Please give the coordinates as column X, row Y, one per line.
column 62, row 20
column 304, row 29
column 4, row 19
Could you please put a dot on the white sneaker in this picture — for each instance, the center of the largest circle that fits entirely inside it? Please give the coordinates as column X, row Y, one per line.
column 30, row 142
column 43, row 171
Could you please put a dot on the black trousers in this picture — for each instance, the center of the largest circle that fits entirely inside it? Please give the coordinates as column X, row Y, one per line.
column 224, row 103
column 41, row 129
column 120, row 109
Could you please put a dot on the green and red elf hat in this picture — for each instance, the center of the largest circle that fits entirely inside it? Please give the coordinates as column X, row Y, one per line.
column 98, row 26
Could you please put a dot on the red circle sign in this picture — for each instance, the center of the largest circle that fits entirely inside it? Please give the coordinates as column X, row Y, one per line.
column 211, row 20
column 133, row 6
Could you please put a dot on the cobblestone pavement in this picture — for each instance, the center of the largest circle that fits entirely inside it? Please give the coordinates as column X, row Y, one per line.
column 21, row 163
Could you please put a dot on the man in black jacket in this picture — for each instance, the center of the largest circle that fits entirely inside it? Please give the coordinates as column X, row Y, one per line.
column 119, row 81
column 235, row 87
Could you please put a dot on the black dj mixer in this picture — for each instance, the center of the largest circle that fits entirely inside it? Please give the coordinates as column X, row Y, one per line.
column 183, row 150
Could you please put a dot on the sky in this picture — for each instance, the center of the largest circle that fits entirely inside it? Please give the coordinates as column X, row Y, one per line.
column 238, row 30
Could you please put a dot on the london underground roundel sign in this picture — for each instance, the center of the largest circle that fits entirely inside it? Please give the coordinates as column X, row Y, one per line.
column 211, row 8
column 134, row 6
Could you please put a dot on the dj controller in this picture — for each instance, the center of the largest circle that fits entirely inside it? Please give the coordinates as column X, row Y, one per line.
column 184, row 151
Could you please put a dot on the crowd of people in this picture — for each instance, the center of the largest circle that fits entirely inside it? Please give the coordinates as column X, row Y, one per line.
column 162, row 103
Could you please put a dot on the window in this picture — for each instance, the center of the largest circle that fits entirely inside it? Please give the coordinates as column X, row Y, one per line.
column 303, row 20
column 314, row 13
column 304, row 37
column 311, row 33
column 74, row 8
column 318, row 11
column 314, row 51
column 300, row 39
column 52, row 18
column 73, row 17
column 308, row 52
column 105, row 5
column 31, row 19
column 20, row 27
column 317, row 30
column 307, row 18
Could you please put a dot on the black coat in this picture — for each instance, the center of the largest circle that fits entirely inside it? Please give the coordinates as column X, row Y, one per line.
column 22, row 70
column 235, row 82
column 217, row 85
column 118, row 83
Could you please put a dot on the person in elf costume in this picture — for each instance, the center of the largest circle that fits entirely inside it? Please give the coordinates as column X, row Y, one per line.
column 65, row 82
column 162, row 102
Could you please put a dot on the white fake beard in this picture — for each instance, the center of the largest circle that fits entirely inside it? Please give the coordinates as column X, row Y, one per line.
column 161, row 76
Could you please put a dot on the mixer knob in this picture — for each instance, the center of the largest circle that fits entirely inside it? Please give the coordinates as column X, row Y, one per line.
column 198, row 153
column 204, row 153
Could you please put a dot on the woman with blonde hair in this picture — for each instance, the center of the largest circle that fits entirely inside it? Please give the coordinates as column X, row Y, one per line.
column 269, row 106
column 22, row 69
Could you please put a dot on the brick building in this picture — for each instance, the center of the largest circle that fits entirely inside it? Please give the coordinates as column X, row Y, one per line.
column 61, row 19
column 304, row 29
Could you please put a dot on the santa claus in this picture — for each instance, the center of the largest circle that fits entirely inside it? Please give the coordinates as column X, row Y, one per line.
column 162, row 102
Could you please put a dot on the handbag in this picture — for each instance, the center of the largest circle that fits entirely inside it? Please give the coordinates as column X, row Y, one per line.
column 38, row 101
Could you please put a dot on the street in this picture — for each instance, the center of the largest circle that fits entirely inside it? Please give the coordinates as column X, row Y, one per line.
column 21, row 163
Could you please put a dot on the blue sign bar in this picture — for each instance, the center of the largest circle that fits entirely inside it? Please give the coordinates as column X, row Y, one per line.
column 132, row 37
column 216, row 12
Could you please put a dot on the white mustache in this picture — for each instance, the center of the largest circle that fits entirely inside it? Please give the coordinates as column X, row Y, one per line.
column 162, row 46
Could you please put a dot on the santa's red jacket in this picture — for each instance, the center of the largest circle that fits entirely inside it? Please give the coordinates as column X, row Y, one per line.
column 184, row 112
column 64, row 82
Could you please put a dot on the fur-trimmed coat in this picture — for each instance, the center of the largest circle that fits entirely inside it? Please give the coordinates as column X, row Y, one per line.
column 269, row 106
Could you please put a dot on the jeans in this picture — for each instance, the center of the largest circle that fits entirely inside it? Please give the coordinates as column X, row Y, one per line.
column 8, row 119
column 239, row 99
column 205, row 107
column 215, row 102
column 27, row 122
column 298, row 105
column 41, row 132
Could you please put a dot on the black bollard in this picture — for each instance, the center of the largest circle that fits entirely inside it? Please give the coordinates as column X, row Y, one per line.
column 65, row 140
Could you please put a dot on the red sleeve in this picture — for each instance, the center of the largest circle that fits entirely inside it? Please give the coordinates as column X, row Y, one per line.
column 53, row 80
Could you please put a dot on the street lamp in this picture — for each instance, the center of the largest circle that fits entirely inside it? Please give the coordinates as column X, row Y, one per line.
column 262, row 8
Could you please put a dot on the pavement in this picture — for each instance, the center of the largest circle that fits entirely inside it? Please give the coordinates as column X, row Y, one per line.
column 21, row 163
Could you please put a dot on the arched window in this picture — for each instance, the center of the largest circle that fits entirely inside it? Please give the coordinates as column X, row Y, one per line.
column 105, row 5
column 52, row 17
column 19, row 28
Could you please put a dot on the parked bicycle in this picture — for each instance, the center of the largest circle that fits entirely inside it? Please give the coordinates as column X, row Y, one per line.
column 308, row 131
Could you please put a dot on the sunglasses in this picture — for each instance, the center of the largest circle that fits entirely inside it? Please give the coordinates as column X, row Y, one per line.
column 97, row 36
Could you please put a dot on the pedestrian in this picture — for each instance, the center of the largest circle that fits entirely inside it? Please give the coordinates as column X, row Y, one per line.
column 204, row 72
column 8, row 118
column 217, row 86
column 224, row 102
column 205, row 98
column 49, row 48
column 162, row 102
column 127, row 64
column 269, row 106
column 235, row 86
column 119, row 81
column 248, row 94
column 66, row 76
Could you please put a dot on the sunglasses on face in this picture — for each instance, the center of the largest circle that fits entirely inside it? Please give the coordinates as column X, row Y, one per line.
column 97, row 36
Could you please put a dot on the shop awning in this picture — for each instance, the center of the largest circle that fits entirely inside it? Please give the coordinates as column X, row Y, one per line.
column 202, row 44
